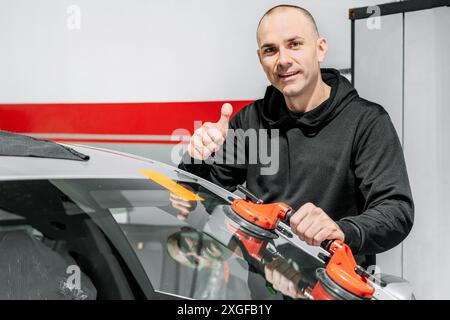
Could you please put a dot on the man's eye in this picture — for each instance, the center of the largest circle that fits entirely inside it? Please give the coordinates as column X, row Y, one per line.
column 296, row 44
column 268, row 50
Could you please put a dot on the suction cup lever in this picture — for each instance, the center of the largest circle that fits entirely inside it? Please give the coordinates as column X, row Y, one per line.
column 287, row 217
column 326, row 244
column 250, row 195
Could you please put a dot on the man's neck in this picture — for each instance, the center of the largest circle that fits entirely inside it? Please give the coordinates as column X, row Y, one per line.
column 309, row 101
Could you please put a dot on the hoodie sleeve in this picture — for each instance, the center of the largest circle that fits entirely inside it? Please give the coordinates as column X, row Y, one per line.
column 222, row 173
column 381, row 176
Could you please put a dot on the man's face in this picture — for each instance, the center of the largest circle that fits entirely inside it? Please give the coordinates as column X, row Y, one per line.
column 290, row 51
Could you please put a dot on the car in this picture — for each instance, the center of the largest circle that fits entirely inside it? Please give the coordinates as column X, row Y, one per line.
column 119, row 226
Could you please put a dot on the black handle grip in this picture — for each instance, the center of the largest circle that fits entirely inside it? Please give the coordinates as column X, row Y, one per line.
column 326, row 244
column 288, row 217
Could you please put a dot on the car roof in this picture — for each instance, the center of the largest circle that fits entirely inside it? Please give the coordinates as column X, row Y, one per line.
column 103, row 163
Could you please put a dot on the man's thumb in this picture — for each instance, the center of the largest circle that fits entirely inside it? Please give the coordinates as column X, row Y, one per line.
column 225, row 114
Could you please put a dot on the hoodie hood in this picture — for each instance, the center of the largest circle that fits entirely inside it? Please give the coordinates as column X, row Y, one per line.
column 277, row 115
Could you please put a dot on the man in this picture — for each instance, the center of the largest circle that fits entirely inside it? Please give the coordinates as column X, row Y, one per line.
column 341, row 163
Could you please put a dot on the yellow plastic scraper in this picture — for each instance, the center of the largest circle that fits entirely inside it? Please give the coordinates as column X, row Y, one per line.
column 171, row 185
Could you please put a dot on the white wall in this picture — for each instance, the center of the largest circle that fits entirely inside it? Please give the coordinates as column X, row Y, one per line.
column 404, row 66
column 145, row 50
column 379, row 78
column 427, row 149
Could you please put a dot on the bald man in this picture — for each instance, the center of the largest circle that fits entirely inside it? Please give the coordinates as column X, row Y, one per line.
column 341, row 165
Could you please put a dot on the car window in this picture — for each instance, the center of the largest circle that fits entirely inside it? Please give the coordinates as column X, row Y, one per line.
column 35, row 261
column 189, row 249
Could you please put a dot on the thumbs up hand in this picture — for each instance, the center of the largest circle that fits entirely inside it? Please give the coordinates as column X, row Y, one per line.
column 210, row 136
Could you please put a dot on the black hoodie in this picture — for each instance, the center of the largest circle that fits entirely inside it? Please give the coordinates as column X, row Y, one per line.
column 344, row 156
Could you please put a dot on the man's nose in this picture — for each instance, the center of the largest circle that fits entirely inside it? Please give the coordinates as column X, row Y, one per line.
column 284, row 59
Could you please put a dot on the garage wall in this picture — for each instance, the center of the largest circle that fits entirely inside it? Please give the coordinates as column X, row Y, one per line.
column 379, row 77
column 109, row 51
column 140, row 50
column 403, row 66
column 427, row 148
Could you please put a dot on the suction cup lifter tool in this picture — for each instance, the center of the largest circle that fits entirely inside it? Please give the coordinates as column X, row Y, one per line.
column 341, row 279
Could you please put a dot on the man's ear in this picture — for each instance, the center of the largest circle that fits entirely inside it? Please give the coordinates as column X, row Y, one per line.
column 322, row 49
column 259, row 56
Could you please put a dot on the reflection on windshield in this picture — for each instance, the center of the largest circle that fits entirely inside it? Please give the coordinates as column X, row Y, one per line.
column 219, row 273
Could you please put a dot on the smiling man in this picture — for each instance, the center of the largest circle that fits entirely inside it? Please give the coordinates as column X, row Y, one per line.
column 341, row 165
column 289, row 51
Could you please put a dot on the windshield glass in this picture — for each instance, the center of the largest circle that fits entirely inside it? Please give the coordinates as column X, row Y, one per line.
column 179, row 236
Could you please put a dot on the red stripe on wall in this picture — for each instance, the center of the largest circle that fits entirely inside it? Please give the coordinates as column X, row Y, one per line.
column 110, row 118
column 81, row 140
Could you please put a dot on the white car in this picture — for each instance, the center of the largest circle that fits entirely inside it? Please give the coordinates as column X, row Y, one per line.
column 118, row 226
